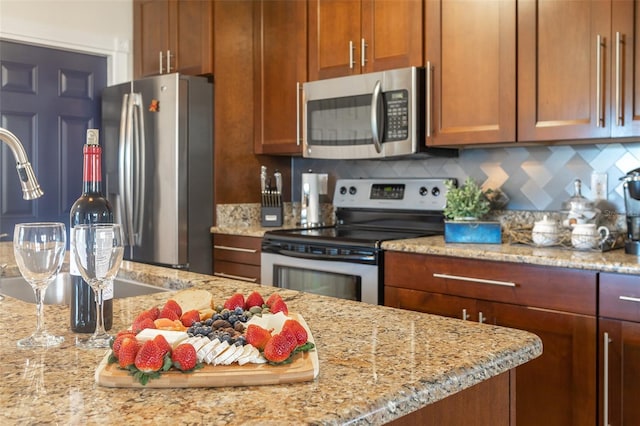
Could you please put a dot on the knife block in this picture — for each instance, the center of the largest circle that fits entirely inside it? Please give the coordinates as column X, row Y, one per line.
column 271, row 216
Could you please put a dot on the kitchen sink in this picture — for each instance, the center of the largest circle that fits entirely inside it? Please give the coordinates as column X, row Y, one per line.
column 59, row 291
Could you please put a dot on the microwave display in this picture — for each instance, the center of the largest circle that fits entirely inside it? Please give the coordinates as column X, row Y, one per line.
column 347, row 120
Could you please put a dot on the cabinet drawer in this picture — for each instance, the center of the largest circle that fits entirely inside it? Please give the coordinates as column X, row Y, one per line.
column 234, row 248
column 237, row 271
column 527, row 285
column 620, row 296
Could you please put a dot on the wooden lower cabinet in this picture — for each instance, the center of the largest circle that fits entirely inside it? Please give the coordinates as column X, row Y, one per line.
column 619, row 342
column 237, row 257
column 557, row 388
column 489, row 403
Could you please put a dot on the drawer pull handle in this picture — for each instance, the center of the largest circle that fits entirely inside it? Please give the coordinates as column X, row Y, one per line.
column 235, row 277
column 243, row 250
column 630, row 299
column 476, row 280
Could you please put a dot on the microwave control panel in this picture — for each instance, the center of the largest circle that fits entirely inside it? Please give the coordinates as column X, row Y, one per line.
column 397, row 112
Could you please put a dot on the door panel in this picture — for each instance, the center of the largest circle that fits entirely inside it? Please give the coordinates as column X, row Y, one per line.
column 50, row 97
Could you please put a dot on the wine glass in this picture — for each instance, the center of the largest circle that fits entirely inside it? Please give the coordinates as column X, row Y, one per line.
column 39, row 250
column 98, row 250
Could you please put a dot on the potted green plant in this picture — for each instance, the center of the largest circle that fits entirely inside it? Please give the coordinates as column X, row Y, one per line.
column 466, row 206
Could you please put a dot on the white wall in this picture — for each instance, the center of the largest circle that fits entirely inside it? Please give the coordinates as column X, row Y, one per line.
column 102, row 27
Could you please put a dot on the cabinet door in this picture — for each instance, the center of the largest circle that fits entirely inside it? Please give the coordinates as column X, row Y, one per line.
column 191, row 37
column 280, row 31
column 471, row 58
column 382, row 46
column 620, row 355
column 334, row 42
column 559, row 387
column 626, row 68
column 150, row 36
column 563, row 82
column 433, row 303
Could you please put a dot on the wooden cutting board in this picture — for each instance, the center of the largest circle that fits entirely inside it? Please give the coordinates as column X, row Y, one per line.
column 305, row 367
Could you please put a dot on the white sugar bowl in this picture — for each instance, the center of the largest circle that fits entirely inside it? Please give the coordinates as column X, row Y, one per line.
column 545, row 232
column 586, row 236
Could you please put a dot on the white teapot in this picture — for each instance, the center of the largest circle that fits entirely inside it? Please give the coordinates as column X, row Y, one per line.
column 545, row 232
column 586, row 236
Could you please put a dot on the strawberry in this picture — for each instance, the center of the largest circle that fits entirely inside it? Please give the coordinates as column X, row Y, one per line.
column 138, row 326
column 257, row 336
column 128, row 351
column 154, row 312
column 254, row 299
column 184, row 357
column 149, row 358
column 117, row 342
column 279, row 306
column 278, row 348
column 291, row 338
column 297, row 330
column 162, row 343
column 272, row 298
column 169, row 313
column 189, row 317
column 235, row 301
column 173, row 306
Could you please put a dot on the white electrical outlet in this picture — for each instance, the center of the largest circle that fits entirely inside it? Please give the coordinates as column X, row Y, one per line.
column 599, row 185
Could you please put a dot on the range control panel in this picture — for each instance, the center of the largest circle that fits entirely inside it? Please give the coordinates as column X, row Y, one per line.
column 393, row 193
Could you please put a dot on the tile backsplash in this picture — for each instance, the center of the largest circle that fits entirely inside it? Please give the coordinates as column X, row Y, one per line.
column 536, row 178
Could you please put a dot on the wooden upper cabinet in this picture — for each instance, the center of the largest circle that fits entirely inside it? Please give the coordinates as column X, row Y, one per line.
column 280, row 57
column 172, row 36
column 356, row 36
column 471, row 61
column 626, row 68
column 563, row 72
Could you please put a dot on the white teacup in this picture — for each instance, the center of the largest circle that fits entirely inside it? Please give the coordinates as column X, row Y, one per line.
column 586, row 236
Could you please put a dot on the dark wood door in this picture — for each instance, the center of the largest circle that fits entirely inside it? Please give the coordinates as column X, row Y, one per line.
column 563, row 76
column 559, row 387
column 622, row 365
column 280, row 31
column 192, row 36
column 48, row 99
column 151, row 34
column 626, row 68
column 471, row 56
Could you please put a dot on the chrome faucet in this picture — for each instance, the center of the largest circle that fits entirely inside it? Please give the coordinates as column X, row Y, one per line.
column 30, row 187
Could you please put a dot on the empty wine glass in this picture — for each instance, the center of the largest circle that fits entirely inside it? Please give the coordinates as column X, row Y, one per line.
column 39, row 250
column 98, row 250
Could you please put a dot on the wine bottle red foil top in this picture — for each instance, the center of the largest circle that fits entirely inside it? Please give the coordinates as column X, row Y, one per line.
column 92, row 168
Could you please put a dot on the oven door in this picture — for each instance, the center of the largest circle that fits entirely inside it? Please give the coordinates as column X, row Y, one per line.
column 345, row 280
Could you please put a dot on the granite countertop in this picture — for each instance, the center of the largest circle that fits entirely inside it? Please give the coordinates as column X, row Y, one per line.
column 609, row 261
column 376, row 363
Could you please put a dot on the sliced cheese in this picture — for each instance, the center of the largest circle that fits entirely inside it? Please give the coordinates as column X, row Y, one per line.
column 202, row 353
column 236, row 354
column 173, row 337
column 247, row 354
column 216, row 351
column 226, row 355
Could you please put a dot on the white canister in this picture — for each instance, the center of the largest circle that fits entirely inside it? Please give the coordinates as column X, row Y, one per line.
column 586, row 236
column 545, row 232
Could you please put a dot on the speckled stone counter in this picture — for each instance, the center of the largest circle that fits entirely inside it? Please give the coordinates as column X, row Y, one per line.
column 609, row 261
column 376, row 364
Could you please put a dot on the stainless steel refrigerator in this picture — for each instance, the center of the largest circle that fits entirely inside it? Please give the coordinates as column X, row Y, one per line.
column 157, row 138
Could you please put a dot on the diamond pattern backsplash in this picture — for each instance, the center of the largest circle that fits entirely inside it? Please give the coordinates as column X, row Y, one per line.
column 534, row 178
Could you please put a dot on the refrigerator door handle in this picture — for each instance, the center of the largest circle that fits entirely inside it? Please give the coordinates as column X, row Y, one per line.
column 139, row 177
column 125, row 170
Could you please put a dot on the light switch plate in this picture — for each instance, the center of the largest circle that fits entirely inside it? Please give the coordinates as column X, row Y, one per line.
column 599, row 185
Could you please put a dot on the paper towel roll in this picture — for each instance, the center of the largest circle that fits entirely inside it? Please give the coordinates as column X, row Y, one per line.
column 310, row 200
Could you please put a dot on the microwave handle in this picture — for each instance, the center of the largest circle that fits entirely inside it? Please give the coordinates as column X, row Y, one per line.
column 375, row 131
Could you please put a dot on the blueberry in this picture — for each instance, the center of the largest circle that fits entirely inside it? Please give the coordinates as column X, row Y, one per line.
column 233, row 318
column 239, row 310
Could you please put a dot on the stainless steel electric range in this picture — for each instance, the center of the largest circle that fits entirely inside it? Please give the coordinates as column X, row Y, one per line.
column 346, row 260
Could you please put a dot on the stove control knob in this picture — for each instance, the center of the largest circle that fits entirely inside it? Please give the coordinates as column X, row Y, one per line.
column 424, row 191
column 352, row 190
column 435, row 191
column 343, row 190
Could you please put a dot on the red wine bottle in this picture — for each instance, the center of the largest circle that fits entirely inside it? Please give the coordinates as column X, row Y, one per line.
column 91, row 207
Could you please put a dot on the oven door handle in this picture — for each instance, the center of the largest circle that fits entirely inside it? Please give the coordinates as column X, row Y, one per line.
column 343, row 257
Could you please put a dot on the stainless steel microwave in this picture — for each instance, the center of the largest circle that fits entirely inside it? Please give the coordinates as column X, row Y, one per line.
column 365, row 116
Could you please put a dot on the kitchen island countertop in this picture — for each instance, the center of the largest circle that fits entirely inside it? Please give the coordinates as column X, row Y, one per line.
column 376, row 363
